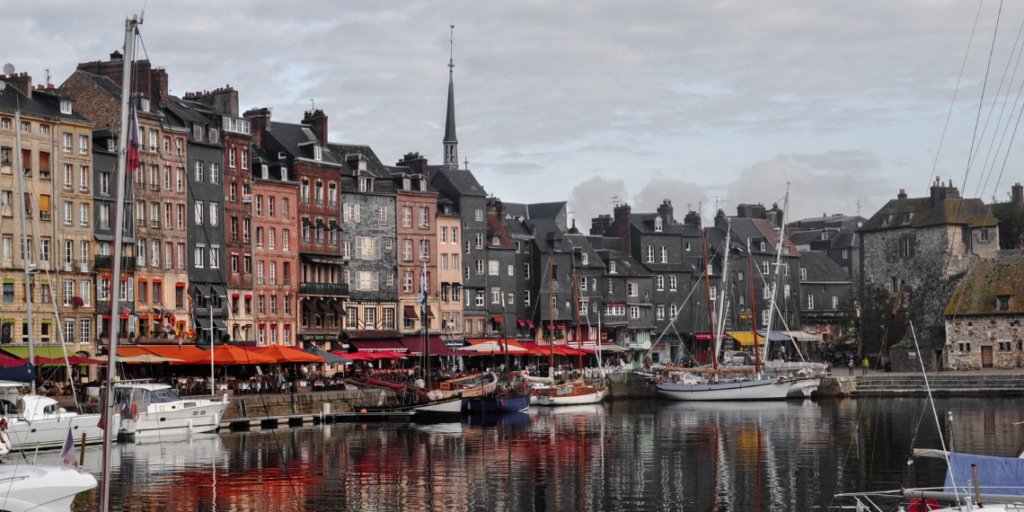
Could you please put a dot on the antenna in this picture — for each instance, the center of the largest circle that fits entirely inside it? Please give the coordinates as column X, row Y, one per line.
column 467, row 162
column 8, row 69
column 46, row 73
column 312, row 105
column 858, row 207
column 615, row 200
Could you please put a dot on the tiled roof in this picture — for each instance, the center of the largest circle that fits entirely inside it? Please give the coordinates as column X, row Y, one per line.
column 971, row 212
column 991, row 278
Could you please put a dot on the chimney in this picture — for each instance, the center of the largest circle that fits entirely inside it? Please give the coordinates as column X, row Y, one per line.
column 774, row 215
column 665, row 212
column 719, row 217
column 941, row 191
column 158, row 85
column 259, row 118
column 417, row 164
column 1017, row 194
column 750, row 211
column 318, row 123
column 902, row 194
column 499, row 209
column 116, row 56
column 20, row 81
column 600, row 224
column 573, row 229
column 692, row 218
column 223, row 101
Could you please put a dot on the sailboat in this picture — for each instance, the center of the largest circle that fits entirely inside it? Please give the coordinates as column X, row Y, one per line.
column 507, row 397
column 740, row 383
column 577, row 392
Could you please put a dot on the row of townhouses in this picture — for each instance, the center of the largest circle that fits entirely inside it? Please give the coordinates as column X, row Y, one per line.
column 246, row 229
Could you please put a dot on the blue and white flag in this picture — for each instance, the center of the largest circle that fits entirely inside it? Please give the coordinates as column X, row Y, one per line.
column 421, row 299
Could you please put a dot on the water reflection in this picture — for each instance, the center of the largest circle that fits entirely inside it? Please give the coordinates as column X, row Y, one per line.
column 621, row 456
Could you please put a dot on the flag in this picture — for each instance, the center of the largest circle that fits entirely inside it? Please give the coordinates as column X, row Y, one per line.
column 127, row 312
column 67, row 452
column 421, row 299
column 130, row 407
column 133, row 144
column 135, row 408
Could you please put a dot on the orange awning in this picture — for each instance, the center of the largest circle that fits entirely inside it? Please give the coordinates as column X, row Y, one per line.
column 229, row 354
column 289, row 355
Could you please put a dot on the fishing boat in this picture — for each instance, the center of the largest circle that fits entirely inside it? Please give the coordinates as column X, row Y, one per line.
column 505, row 397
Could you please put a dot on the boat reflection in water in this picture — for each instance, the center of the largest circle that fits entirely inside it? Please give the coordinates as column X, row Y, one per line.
column 636, row 455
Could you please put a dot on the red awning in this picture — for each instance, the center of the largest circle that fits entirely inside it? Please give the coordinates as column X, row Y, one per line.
column 248, row 296
column 705, row 336
column 234, row 295
column 497, row 319
column 410, row 312
column 521, row 323
column 430, row 314
column 437, row 346
column 528, row 322
column 379, row 345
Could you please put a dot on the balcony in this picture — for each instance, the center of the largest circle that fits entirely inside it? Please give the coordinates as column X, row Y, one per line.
column 104, row 262
column 323, row 289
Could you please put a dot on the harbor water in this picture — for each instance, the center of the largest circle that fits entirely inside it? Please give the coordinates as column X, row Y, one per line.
column 620, row 456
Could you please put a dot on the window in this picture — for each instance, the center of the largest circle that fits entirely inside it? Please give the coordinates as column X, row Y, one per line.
column 424, row 220
column 660, row 312
column 480, row 299
column 181, row 216
column 659, row 282
column 664, row 254
column 634, row 312
column 983, row 236
column 835, row 302
column 66, row 139
column 351, row 213
column 584, row 258
column 1003, row 303
column 214, row 173
column 68, row 212
column 199, row 213
column 526, row 270
column 425, row 250
column 181, row 256
column 200, row 256
column 83, row 178
column 179, row 179
column 650, row 254
column 766, row 292
column 480, row 267
column 105, row 183
column 200, row 175
column 764, row 268
column 810, row 301
column 479, row 240
column 84, row 289
column 633, row 289
column 657, row 224
column 611, row 267
column 846, row 254
column 213, row 214
column 493, row 268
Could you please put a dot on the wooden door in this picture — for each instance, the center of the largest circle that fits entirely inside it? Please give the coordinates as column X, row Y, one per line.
column 986, row 357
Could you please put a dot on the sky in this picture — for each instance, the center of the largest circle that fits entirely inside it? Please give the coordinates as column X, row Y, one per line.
column 706, row 104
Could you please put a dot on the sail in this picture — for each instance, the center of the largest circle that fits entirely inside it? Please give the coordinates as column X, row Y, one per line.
column 996, row 475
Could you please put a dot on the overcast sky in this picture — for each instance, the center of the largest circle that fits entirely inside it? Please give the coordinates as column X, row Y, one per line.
column 583, row 101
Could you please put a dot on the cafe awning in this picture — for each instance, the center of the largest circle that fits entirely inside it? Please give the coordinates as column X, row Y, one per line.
column 745, row 338
column 282, row 354
column 230, row 354
column 497, row 319
column 410, row 312
column 437, row 346
column 47, row 352
column 329, row 358
column 379, row 345
column 802, row 336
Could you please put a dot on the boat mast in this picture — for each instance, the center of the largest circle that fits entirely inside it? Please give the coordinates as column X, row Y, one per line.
column 26, row 204
column 707, row 287
column 504, row 334
column 422, row 299
column 576, row 300
column 551, row 318
column 753, row 309
column 778, row 275
column 725, row 281
column 121, row 176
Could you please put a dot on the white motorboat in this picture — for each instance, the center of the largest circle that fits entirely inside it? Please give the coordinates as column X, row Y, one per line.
column 39, row 421
column 41, row 488
column 162, row 412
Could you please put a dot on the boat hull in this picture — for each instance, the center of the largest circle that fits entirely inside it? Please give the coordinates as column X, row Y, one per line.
column 497, row 404
column 26, row 487
column 185, row 417
column 51, row 432
column 764, row 389
column 451, row 405
column 573, row 399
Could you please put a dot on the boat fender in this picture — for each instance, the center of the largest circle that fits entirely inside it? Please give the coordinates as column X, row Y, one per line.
column 3, row 424
column 502, row 402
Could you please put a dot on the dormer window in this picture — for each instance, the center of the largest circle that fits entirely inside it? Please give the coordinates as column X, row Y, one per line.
column 406, row 184
column 657, row 224
column 318, row 153
column 65, row 107
column 281, row 156
column 886, row 219
column 584, row 258
column 265, row 170
column 762, row 247
column 983, row 235
column 907, row 216
column 214, row 135
column 824, row 235
column 1003, row 302
column 111, row 146
column 423, row 185
column 284, row 174
column 611, row 267
column 496, row 240
column 364, row 184
column 197, row 131
column 144, row 105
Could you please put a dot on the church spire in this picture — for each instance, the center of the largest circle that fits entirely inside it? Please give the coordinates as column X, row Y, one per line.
column 451, row 143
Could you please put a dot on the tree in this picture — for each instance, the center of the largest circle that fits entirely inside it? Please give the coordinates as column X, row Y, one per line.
column 1011, row 224
column 873, row 325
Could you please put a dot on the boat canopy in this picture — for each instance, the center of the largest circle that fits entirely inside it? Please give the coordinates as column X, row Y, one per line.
column 996, row 475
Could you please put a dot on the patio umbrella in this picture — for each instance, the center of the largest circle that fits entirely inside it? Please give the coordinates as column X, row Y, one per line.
column 329, row 358
column 387, row 354
column 289, row 355
column 357, row 356
column 230, row 354
column 146, row 358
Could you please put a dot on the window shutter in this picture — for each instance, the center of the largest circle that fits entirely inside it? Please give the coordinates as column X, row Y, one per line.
column 376, row 253
column 376, row 281
column 359, row 247
column 345, row 214
column 355, row 213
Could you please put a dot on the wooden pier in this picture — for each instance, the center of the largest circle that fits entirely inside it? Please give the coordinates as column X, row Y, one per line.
column 298, row 420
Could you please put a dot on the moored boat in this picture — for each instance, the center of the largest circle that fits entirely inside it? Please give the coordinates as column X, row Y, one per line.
column 499, row 402
column 576, row 393
column 162, row 412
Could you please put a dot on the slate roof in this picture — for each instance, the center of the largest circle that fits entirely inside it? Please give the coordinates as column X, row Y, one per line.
column 973, row 212
column 374, row 166
column 297, row 139
column 991, row 278
column 41, row 104
column 580, row 240
column 758, row 229
column 517, row 229
column 456, row 182
column 834, row 222
column 535, row 210
column 189, row 111
column 644, row 222
column 821, row 268
column 625, row 265
column 545, row 229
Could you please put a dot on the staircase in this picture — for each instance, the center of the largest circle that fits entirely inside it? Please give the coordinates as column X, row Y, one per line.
column 942, row 384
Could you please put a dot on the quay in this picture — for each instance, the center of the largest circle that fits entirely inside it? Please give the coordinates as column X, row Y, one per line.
column 876, row 384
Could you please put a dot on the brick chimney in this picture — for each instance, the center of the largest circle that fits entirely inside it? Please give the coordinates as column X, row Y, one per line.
column 692, row 218
column 941, row 191
column 1017, row 194
column 665, row 212
column 223, row 101
column 417, row 164
column 621, row 223
column 600, row 224
column 902, row 194
column 750, row 211
column 499, row 209
column 259, row 118
column 317, row 121
column 20, row 81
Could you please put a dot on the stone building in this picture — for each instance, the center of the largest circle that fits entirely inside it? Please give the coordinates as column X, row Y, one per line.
column 368, row 247
column 206, row 254
column 984, row 316
column 53, row 137
column 920, row 248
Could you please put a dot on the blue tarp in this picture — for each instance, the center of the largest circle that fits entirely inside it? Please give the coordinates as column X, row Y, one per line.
column 23, row 373
column 776, row 336
column 993, row 472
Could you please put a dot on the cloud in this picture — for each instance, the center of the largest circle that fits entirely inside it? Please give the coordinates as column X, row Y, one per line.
column 593, row 197
column 517, row 168
column 683, row 194
column 826, row 183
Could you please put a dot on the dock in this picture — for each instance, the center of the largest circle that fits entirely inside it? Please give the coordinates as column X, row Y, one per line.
column 298, row 420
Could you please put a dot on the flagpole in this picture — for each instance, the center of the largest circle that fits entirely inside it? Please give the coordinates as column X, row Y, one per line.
column 121, row 176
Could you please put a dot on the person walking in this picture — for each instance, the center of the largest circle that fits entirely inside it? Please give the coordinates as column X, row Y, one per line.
column 850, row 365
column 864, row 364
